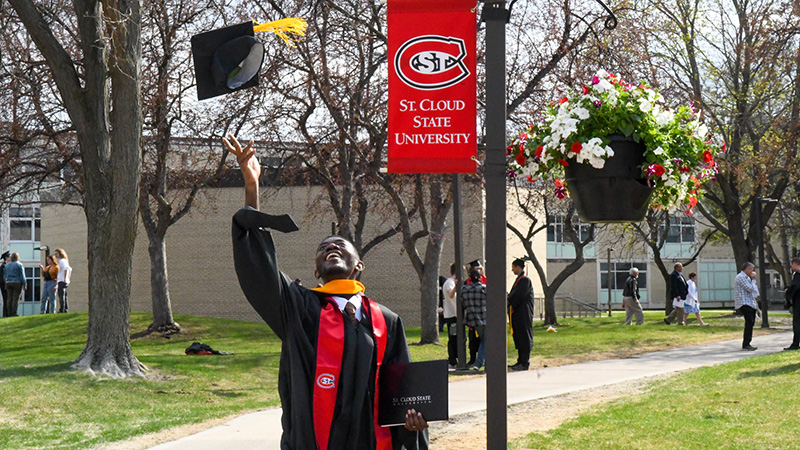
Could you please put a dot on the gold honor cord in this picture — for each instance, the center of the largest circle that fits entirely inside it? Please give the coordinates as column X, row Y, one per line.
column 286, row 29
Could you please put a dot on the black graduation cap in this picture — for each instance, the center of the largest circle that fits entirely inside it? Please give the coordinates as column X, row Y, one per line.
column 476, row 263
column 226, row 60
column 5, row 255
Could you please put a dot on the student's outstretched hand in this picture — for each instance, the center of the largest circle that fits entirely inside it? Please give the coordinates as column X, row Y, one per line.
column 415, row 421
column 251, row 169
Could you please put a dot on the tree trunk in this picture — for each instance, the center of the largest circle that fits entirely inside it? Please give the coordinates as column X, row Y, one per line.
column 108, row 350
column 550, row 317
column 110, row 137
column 159, row 287
column 429, row 290
column 429, row 282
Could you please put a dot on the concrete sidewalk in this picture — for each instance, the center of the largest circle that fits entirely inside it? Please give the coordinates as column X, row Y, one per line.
column 262, row 430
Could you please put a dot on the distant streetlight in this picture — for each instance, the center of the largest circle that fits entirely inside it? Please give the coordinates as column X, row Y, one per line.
column 608, row 275
column 762, row 270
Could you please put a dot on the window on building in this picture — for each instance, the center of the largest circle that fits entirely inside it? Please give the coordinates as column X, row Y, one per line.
column 717, row 280
column 25, row 223
column 555, row 228
column 34, row 291
column 620, row 272
column 681, row 229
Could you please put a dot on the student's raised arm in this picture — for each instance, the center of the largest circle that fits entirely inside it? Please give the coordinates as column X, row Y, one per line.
column 251, row 169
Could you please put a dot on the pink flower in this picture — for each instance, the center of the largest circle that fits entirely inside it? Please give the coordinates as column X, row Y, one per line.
column 595, row 80
column 598, row 104
column 561, row 190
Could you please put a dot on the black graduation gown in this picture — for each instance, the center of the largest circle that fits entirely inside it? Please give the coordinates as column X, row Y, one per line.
column 520, row 299
column 293, row 313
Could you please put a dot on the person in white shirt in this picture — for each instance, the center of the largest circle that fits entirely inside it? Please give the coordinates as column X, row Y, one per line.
column 692, row 304
column 62, row 281
column 450, row 308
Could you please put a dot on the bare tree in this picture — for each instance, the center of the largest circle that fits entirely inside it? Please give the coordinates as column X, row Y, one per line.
column 739, row 62
column 654, row 232
column 100, row 90
column 176, row 170
column 535, row 204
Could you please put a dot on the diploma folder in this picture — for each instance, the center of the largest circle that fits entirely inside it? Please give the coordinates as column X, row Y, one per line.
column 421, row 386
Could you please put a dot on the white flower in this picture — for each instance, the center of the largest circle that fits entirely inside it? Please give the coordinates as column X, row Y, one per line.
column 702, row 131
column 597, row 163
column 603, row 86
column 658, row 151
column 581, row 113
column 663, row 117
column 645, row 105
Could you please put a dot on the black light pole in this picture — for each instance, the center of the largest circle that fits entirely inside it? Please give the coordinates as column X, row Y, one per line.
column 608, row 275
column 459, row 254
column 762, row 270
column 495, row 15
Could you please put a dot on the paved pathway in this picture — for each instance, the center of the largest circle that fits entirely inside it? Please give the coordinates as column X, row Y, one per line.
column 262, row 429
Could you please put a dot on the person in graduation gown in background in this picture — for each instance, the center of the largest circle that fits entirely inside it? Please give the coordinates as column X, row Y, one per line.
column 329, row 359
column 520, row 310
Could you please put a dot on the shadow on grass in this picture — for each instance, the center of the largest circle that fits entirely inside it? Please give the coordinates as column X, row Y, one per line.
column 230, row 393
column 38, row 370
column 782, row 370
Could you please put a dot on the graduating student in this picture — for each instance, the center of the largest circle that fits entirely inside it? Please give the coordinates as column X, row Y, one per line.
column 520, row 309
column 335, row 340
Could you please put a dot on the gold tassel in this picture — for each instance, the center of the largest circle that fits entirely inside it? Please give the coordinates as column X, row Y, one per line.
column 283, row 28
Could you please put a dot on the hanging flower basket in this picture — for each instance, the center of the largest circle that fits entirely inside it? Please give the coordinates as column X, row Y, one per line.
column 619, row 149
column 615, row 193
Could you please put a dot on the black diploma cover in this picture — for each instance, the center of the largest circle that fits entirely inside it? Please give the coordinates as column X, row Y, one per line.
column 421, row 386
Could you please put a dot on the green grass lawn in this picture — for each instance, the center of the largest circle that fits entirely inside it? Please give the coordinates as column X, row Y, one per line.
column 748, row 404
column 45, row 404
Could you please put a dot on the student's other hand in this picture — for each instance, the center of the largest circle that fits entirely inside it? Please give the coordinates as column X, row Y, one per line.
column 415, row 421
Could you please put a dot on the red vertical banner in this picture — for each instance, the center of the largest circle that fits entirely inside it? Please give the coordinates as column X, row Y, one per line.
column 432, row 87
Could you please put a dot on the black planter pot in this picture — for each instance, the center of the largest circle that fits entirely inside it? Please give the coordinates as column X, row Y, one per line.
column 615, row 193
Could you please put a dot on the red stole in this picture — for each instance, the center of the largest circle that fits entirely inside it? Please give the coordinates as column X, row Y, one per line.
column 330, row 348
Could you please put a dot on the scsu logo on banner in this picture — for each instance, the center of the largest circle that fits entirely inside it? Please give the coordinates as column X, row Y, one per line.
column 326, row 381
column 431, row 62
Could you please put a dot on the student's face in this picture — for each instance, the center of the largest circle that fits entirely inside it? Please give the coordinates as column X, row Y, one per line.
column 516, row 269
column 337, row 259
column 795, row 267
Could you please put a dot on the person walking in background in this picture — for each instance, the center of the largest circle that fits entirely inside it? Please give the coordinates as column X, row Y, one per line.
column 3, row 261
column 678, row 291
column 474, row 297
column 49, row 276
column 474, row 339
column 793, row 302
column 449, row 310
column 62, row 280
column 16, row 283
column 744, row 295
column 630, row 296
column 520, row 310
column 692, row 304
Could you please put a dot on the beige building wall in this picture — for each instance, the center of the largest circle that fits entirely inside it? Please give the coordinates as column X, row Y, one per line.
column 515, row 249
column 202, row 280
